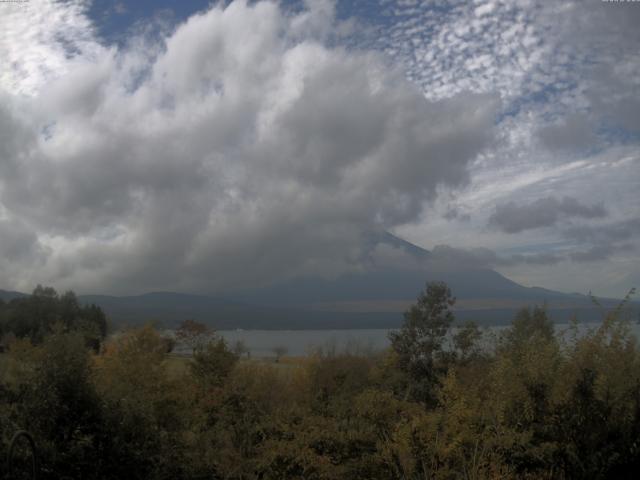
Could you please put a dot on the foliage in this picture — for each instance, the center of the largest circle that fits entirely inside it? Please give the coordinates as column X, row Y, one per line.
column 212, row 363
column 467, row 342
column 193, row 334
column 144, row 410
column 538, row 405
column 419, row 343
column 530, row 325
column 37, row 315
column 56, row 401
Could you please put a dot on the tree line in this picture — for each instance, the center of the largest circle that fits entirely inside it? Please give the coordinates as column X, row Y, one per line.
column 45, row 311
column 440, row 403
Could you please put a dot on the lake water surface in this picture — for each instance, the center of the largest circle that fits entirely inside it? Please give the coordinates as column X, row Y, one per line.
column 302, row 342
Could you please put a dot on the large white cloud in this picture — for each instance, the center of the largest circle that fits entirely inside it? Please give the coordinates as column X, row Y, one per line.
column 242, row 152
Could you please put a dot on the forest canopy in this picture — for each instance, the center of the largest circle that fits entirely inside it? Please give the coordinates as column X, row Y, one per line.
column 38, row 315
column 439, row 403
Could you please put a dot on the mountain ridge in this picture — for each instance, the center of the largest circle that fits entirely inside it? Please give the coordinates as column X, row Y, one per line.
column 374, row 298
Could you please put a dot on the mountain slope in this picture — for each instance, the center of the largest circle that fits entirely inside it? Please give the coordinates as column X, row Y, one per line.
column 8, row 295
column 374, row 297
column 390, row 282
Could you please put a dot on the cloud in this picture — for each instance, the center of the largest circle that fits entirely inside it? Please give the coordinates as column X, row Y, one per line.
column 479, row 257
column 251, row 143
column 567, row 74
column 529, row 52
column 448, row 257
column 545, row 258
column 19, row 243
column 20, row 249
column 41, row 40
column 622, row 230
column 605, row 240
column 545, row 212
column 238, row 154
column 593, row 254
column 120, row 8
column 456, row 213
column 573, row 133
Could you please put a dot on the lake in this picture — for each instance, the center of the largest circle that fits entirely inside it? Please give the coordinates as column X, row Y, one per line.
column 302, row 342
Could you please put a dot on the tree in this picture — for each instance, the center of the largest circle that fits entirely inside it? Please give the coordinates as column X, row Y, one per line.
column 279, row 351
column 212, row 363
column 419, row 342
column 145, row 410
column 529, row 324
column 466, row 341
column 193, row 334
column 38, row 315
column 240, row 348
column 61, row 408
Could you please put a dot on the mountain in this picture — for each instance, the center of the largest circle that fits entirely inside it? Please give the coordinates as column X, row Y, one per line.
column 384, row 291
column 396, row 284
column 374, row 297
column 169, row 308
column 8, row 295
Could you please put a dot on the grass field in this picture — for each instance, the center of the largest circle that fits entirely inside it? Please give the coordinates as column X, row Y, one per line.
column 178, row 365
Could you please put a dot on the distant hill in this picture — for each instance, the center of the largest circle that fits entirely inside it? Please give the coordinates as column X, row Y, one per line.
column 8, row 295
column 380, row 282
column 397, row 284
column 374, row 298
column 168, row 309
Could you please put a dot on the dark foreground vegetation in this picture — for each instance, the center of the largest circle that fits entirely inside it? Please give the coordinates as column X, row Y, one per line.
column 524, row 404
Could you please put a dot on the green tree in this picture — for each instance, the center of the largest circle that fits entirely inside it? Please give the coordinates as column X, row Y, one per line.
column 144, row 409
column 528, row 324
column 419, row 343
column 60, row 406
column 37, row 315
column 467, row 341
column 212, row 363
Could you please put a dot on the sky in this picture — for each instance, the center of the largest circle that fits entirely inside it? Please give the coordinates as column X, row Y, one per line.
column 205, row 147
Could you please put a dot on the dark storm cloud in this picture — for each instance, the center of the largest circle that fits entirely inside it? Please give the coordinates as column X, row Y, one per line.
column 545, row 212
